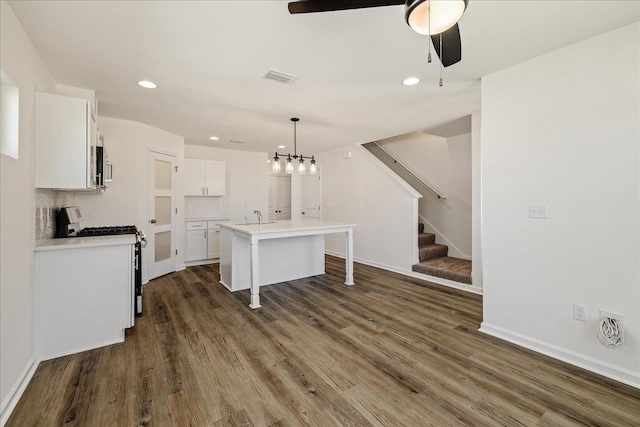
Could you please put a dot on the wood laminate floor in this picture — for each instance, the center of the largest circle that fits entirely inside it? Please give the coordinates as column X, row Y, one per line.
column 389, row 351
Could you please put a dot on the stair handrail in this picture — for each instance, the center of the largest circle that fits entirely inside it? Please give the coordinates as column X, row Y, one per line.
column 428, row 185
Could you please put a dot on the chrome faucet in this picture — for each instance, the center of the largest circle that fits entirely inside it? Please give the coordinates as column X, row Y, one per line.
column 257, row 212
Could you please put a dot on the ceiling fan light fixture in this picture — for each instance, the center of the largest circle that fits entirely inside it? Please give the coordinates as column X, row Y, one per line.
column 430, row 17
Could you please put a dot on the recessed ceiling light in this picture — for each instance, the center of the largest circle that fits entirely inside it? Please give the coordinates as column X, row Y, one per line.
column 410, row 81
column 147, row 84
column 282, row 146
column 214, row 138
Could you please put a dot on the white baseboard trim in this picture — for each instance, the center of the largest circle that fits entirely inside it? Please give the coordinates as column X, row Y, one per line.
column 438, row 280
column 10, row 402
column 608, row 370
column 181, row 267
column 201, row 262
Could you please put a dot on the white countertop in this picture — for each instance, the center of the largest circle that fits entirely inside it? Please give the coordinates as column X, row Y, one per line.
column 85, row 242
column 204, row 218
column 287, row 225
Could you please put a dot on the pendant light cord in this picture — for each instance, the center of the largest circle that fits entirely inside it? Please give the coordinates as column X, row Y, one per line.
column 429, row 7
column 441, row 59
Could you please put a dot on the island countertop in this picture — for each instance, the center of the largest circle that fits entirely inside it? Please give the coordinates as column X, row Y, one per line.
column 269, row 227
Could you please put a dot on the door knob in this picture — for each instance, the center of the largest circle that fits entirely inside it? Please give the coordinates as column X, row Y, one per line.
column 153, row 221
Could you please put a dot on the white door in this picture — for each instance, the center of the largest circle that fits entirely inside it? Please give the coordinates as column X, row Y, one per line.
column 273, row 198
column 285, row 194
column 279, row 197
column 311, row 197
column 161, row 213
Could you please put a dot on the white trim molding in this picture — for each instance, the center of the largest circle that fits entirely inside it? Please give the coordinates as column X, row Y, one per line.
column 608, row 370
column 437, row 280
column 10, row 402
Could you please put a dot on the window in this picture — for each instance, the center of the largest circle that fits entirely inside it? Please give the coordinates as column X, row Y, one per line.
column 9, row 116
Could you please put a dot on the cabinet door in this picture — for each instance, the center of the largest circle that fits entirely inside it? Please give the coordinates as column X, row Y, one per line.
column 92, row 126
column 61, row 142
column 214, row 178
column 213, row 243
column 194, row 177
column 196, row 245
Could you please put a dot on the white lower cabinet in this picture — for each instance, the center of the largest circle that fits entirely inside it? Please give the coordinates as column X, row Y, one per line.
column 84, row 297
column 203, row 240
column 213, row 244
column 196, row 245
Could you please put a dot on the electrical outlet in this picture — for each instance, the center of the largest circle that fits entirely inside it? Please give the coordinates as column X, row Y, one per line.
column 580, row 312
column 537, row 211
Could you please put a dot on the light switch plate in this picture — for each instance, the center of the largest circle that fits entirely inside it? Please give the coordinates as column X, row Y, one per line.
column 537, row 211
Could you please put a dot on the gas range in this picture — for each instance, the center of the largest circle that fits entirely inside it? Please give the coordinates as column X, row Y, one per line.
column 107, row 231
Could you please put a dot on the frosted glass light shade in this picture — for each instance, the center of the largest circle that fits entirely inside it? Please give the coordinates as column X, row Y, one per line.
column 276, row 165
column 289, row 167
column 301, row 167
column 444, row 14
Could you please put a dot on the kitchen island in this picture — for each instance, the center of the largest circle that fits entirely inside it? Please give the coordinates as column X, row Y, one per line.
column 254, row 255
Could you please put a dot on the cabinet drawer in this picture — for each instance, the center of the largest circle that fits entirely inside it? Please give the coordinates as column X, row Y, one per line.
column 213, row 225
column 197, row 225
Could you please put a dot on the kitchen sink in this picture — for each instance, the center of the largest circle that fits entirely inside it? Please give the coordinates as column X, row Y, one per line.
column 255, row 223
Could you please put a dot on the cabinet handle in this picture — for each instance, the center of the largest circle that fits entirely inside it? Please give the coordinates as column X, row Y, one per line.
column 205, row 234
column 207, row 191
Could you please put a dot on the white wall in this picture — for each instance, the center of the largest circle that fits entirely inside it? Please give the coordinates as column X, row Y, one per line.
column 125, row 202
column 562, row 129
column 445, row 163
column 361, row 190
column 21, row 63
column 476, row 200
column 246, row 180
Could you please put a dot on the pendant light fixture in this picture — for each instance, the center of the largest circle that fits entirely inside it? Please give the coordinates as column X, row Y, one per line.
column 302, row 168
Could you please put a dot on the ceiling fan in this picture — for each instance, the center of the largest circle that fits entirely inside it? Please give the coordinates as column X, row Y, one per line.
column 435, row 18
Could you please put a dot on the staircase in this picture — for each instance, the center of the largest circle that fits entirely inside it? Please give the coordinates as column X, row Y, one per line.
column 435, row 262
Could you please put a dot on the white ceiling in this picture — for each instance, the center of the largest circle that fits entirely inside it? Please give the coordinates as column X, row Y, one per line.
column 208, row 59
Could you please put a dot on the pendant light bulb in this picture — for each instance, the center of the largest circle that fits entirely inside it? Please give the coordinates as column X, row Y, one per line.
column 312, row 169
column 276, row 164
column 289, row 168
column 301, row 167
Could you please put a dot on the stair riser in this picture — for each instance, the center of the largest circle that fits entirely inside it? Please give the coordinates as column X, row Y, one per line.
column 433, row 252
column 426, row 239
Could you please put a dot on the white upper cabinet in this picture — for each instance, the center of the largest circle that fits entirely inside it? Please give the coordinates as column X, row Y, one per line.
column 193, row 177
column 66, row 140
column 204, row 178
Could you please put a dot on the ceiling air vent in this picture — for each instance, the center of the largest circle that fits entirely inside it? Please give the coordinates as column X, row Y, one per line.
column 279, row 76
column 235, row 141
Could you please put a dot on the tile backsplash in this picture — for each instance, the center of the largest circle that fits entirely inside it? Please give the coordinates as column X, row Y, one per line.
column 47, row 203
column 203, row 207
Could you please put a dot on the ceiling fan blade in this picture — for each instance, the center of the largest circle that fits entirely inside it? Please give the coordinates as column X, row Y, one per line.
column 309, row 6
column 451, row 46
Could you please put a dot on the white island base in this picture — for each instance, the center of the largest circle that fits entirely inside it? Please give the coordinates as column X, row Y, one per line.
column 257, row 255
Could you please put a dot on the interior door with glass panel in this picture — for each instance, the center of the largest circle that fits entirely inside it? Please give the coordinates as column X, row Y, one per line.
column 161, row 250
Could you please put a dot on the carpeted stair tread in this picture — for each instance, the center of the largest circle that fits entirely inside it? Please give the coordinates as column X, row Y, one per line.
column 456, row 269
column 426, row 239
column 433, row 250
column 420, row 227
